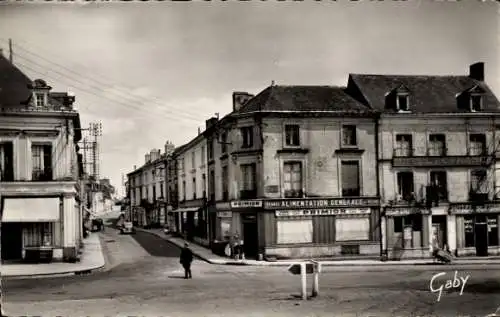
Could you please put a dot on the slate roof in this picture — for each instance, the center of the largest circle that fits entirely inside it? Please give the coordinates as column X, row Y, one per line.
column 304, row 99
column 13, row 84
column 428, row 94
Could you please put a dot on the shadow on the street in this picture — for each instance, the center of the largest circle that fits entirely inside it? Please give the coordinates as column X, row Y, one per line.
column 176, row 276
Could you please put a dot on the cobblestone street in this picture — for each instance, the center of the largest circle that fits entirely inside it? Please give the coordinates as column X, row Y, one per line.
column 146, row 285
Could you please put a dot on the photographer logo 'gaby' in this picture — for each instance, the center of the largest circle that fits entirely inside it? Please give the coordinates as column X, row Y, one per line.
column 455, row 283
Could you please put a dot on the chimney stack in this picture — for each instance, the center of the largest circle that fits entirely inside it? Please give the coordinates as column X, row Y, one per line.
column 135, row 167
column 210, row 122
column 476, row 71
column 199, row 130
column 240, row 98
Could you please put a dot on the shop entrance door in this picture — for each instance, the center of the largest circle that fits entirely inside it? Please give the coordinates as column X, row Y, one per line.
column 481, row 229
column 439, row 230
column 12, row 241
column 250, row 235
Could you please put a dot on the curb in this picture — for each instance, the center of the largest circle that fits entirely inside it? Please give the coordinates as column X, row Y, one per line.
column 53, row 275
column 337, row 263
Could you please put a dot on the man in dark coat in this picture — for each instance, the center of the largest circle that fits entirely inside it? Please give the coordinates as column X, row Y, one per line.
column 186, row 259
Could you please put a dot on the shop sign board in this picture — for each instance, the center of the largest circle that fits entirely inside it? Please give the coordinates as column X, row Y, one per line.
column 319, row 203
column 246, row 204
column 224, row 214
column 468, row 209
column 322, row 212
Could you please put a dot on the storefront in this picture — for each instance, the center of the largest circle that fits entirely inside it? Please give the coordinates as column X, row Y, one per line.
column 407, row 231
column 320, row 227
column 238, row 218
column 476, row 229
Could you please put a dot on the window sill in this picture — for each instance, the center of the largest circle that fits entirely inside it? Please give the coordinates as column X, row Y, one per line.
column 349, row 150
column 293, row 150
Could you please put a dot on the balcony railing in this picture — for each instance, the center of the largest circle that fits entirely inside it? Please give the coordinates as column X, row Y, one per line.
column 437, row 150
column 403, row 152
column 41, row 175
column 437, row 156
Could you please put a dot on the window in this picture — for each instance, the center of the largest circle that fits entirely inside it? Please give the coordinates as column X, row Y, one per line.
column 212, row 185
column 40, row 99
column 161, row 190
column 193, row 160
column 225, row 228
column 223, row 144
column 405, row 186
column 294, row 231
column 248, row 188
column 154, row 192
column 469, row 231
column 437, row 145
column 42, row 162
column 352, row 229
column 194, row 188
column 411, row 224
column 404, row 145
column 225, row 184
column 477, row 144
column 492, row 231
column 349, row 135
column 6, row 162
column 211, row 149
column 292, row 180
column 183, row 190
column 204, row 185
column 476, row 102
column 292, row 135
column 479, row 182
column 38, row 234
column 350, row 179
column 247, row 135
column 440, row 184
column 202, row 154
column 403, row 103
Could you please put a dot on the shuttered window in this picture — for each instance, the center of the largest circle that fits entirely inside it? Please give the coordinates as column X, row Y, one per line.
column 294, row 231
column 350, row 229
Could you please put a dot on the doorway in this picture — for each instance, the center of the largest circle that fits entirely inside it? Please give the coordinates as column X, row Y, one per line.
column 250, row 235
column 12, row 241
column 481, row 229
column 439, row 230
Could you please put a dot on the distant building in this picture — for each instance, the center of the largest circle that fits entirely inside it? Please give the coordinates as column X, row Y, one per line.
column 40, row 167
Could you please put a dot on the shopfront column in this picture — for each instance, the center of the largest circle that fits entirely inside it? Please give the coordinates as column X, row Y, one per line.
column 426, row 230
column 384, row 234
column 429, row 225
column 452, row 233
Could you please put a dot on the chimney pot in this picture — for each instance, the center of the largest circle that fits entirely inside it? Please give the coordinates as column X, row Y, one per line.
column 476, row 71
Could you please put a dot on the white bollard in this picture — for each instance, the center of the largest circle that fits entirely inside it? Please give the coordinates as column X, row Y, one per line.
column 315, row 286
column 303, row 277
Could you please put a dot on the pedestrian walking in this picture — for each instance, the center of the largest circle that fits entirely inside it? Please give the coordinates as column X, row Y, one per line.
column 186, row 260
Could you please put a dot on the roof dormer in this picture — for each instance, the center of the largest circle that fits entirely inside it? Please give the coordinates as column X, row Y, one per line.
column 399, row 99
column 40, row 91
column 476, row 96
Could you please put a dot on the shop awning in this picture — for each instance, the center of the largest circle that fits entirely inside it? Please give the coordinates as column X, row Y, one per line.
column 186, row 209
column 30, row 210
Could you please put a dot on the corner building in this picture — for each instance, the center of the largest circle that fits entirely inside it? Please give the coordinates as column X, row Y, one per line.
column 438, row 141
column 294, row 174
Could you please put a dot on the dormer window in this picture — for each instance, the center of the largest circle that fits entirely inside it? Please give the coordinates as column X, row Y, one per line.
column 403, row 102
column 39, row 100
column 476, row 102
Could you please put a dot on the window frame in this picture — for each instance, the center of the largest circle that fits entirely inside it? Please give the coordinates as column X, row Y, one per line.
column 351, row 162
column 431, row 144
column 398, row 189
column 471, row 102
column 292, row 135
column 345, row 128
column 406, row 96
column 247, row 137
column 482, row 138
column 398, row 144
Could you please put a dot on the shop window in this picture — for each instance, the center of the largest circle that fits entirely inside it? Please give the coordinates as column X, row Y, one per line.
column 398, row 224
column 469, row 231
column 294, row 231
column 352, row 229
column 413, row 221
column 492, row 231
column 225, row 228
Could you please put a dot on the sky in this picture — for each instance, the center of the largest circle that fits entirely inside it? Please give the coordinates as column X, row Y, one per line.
column 153, row 72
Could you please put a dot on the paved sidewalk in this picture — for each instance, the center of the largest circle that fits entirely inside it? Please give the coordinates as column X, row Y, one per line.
column 207, row 255
column 92, row 258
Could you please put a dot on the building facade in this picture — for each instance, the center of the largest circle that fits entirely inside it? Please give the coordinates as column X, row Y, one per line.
column 295, row 174
column 40, row 170
column 192, row 190
column 438, row 140
column 147, row 186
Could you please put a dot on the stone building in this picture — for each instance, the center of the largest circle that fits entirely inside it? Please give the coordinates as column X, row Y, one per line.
column 437, row 143
column 39, row 169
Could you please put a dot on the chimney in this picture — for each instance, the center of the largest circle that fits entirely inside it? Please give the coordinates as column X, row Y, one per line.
column 476, row 71
column 135, row 167
column 199, row 130
column 210, row 122
column 240, row 98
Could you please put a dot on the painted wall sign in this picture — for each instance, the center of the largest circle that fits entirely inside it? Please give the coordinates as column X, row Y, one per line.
column 319, row 203
column 469, row 209
column 246, row 204
column 224, row 214
column 322, row 212
column 403, row 211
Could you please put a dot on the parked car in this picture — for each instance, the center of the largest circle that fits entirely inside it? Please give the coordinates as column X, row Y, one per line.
column 127, row 228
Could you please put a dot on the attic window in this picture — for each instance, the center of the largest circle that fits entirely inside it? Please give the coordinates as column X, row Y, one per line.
column 39, row 100
column 476, row 102
column 403, row 102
